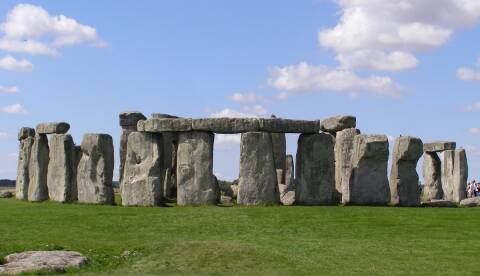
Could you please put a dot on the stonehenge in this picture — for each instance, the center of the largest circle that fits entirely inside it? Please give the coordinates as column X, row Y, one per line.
column 95, row 170
column 404, row 187
column 165, row 159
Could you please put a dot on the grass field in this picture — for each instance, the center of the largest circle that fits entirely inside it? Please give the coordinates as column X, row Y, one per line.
column 249, row 241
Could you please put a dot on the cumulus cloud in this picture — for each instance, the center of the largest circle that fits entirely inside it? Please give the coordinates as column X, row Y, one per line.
column 467, row 74
column 475, row 130
column 31, row 29
column 3, row 134
column 473, row 107
column 9, row 89
column 305, row 77
column 227, row 140
column 13, row 109
column 248, row 97
column 11, row 64
column 384, row 35
column 250, row 112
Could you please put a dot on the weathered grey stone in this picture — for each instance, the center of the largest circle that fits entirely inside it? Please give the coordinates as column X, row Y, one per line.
column 95, row 170
column 6, row 194
column 280, row 154
column 142, row 183
column 163, row 125
column 289, row 172
column 338, row 123
column 234, row 191
column 128, row 122
column 439, row 146
column 45, row 261
column 343, row 157
column 257, row 183
column 163, row 115
column 432, row 176
column 404, row 186
column 288, row 126
column 470, row 202
column 454, row 175
column 226, row 200
column 439, row 203
column 226, row 125
column 315, row 173
column 130, row 118
column 53, row 128
column 61, row 180
column 38, row 169
column 23, row 175
column 368, row 181
column 288, row 198
column 196, row 184
column 26, row 132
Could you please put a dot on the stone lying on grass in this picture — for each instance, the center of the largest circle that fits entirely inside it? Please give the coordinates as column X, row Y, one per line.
column 6, row 194
column 439, row 203
column 470, row 202
column 50, row 261
column 53, row 128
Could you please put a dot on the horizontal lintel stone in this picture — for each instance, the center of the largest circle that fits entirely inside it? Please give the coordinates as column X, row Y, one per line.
column 439, row 146
column 53, row 128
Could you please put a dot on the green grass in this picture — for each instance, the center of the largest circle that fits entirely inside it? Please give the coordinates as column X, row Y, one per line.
column 249, row 241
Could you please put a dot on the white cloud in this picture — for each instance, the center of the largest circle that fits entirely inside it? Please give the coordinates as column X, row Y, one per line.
column 31, row 29
column 231, row 113
column 227, row 140
column 3, row 134
column 11, row 64
column 467, row 74
column 384, row 35
column 282, row 96
column 475, row 130
column 304, row 77
column 473, row 107
column 15, row 108
column 9, row 89
column 248, row 97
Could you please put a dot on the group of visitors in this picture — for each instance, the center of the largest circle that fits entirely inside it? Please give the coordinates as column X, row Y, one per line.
column 472, row 189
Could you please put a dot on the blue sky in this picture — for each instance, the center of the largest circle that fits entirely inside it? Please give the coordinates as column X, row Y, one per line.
column 402, row 67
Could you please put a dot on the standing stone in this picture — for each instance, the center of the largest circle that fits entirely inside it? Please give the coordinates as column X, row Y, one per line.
column 432, row 176
column 404, row 187
column 26, row 138
column 454, row 175
column 38, row 169
column 61, row 176
column 257, row 183
column 343, row 157
column 289, row 172
column 368, row 182
column 128, row 122
column 279, row 154
column 315, row 173
column 142, row 183
column 95, row 169
column 196, row 184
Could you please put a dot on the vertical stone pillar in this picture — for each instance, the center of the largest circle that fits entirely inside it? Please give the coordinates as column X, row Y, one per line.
column 26, row 138
column 257, row 182
column 95, row 169
column 61, row 168
column 128, row 122
column 142, row 184
column 38, row 169
column 343, row 156
column 289, row 172
column 368, row 181
column 196, row 184
column 315, row 172
column 432, row 176
column 279, row 155
column 404, row 187
column 454, row 175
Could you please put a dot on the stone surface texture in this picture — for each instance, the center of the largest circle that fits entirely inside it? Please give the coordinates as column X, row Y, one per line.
column 368, row 181
column 61, row 180
column 343, row 157
column 226, row 125
column 404, row 185
column 128, row 122
column 164, row 124
column 439, row 146
column 26, row 132
column 289, row 172
column 470, row 202
column 142, row 183
column 315, row 170
column 257, row 184
column 280, row 155
column 439, row 203
column 23, row 175
column 53, row 128
column 95, row 169
column 454, row 175
column 338, row 123
column 38, row 169
column 432, row 177
column 45, row 261
column 196, row 183
column 130, row 118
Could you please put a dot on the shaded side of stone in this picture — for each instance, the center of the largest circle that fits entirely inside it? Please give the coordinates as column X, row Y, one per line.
column 289, row 172
column 196, row 183
column 26, row 132
column 279, row 155
column 257, row 183
column 23, row 175
column 315, row 170
column 38, row 169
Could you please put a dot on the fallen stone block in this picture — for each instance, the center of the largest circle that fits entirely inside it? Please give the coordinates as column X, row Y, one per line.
column 470, row 202
column 53, row 128
column 338, row 123
column 439, row 203
column 45, row 261
column 439, row 146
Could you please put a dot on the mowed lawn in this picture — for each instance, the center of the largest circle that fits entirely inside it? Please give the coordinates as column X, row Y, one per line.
column 249, row 241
